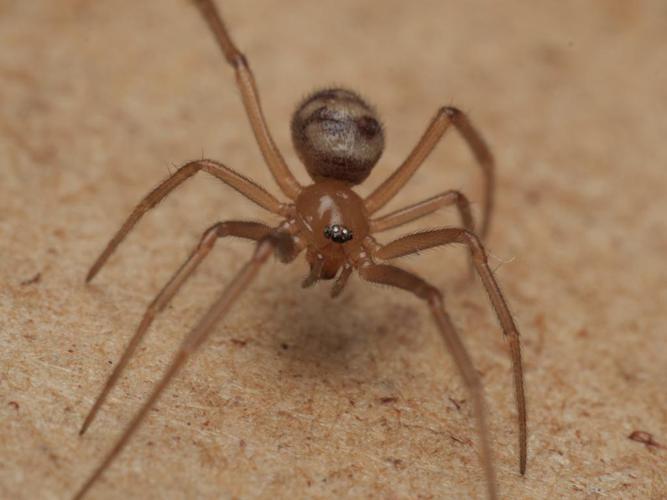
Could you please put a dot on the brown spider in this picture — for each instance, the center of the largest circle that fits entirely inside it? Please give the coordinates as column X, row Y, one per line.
column 339, row 139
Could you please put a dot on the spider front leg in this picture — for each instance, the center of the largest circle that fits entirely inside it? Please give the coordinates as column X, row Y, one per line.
column 245, row 81
column 428, row 206
column 250, row 230
column 445, row 117
column 423, row 208
column 279, row 242
column 246, row 187
column 414, row 243
column 394, row 276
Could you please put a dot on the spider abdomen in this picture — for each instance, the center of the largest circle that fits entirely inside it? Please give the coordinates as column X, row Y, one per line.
column 337, row 135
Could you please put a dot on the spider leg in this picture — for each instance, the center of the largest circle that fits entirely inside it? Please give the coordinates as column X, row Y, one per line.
column 245, row 82
column 428, row 206
column 279, row 242
column 251, row 230
column 394, row 276
column 440, row 237
column 245, row 186
column 445, row 117
column 425, row 207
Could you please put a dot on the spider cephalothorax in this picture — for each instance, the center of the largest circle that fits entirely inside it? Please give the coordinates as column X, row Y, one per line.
column 337, row 135
column 339, row 139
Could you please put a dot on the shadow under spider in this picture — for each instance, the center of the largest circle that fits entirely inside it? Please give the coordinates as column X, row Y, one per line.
column 315, row 336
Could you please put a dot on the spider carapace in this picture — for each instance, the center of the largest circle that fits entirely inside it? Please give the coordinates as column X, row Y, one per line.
column 331, row 219
column 339, row 139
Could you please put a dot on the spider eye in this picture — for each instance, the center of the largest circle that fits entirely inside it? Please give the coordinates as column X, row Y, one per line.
column 338, row 233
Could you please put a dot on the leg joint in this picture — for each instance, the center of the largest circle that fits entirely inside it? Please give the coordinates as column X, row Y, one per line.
column 221, row 229
column 238, row 60
column 217, row 230
column 432, row 295
column 475, row 246
column 450, row 112
column 279, row 242
column 194, row 165
column 459, row 197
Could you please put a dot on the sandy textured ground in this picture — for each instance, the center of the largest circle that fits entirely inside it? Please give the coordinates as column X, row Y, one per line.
column 297, row 396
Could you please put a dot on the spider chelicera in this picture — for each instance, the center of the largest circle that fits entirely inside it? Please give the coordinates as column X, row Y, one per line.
column 339, row 138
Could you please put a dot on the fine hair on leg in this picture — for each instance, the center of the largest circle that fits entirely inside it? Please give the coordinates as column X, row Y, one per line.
column 246, row 187
column 428, row 239
column 423, row 208
column 245, row 82
column 250, row 230
column 280, row 242
column 394, row 276
column 445, row 117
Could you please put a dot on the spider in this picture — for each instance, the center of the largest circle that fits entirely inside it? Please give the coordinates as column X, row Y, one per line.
column 339, row 139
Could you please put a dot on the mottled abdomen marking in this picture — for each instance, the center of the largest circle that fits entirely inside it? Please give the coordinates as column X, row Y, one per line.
column 337, row 135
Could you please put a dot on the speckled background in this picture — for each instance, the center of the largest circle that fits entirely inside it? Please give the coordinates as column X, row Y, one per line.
column 296, row 395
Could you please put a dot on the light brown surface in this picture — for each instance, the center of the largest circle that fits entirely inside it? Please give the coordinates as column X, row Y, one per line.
column 297, row 395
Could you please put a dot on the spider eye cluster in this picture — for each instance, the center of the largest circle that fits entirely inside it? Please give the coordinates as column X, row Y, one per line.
column 337, row 135
column 338, row 233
